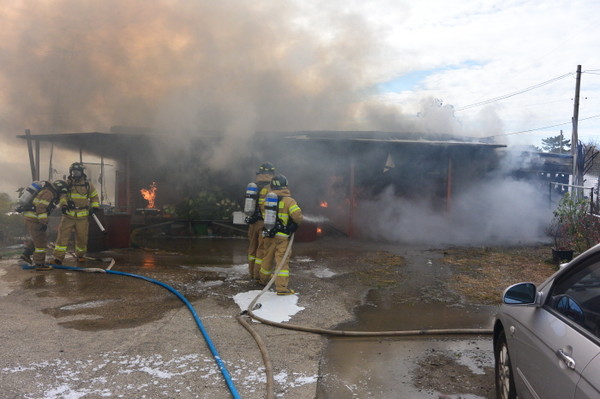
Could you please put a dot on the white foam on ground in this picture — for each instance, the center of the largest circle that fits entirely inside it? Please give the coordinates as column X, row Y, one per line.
column 273, row 307
column 324, row 273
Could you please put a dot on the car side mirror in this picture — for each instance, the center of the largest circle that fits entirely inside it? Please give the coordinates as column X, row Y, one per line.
column 520, row 294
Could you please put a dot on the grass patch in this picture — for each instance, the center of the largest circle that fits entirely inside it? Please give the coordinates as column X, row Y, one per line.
column 482, row 274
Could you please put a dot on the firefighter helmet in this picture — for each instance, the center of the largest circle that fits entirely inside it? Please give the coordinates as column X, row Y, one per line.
column 266, row 168
column 279, row 182
column 77, row 170
column 61, row 186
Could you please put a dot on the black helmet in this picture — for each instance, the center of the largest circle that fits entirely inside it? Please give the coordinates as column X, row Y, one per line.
column 279, row 182
column 61, row 186
column 77, row 170
column 266, row 168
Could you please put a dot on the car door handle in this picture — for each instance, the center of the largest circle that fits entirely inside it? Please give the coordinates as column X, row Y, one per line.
column 568, row 360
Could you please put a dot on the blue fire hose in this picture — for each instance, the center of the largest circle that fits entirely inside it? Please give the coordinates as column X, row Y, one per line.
column 211, row 346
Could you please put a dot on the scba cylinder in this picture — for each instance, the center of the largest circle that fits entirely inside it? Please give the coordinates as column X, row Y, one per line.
column 271, row 211
column 251, row 198
column 29, row 192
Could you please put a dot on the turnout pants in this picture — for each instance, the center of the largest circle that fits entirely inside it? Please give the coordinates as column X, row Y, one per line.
column 66, row 226
column 255, row 248
column 274, row 250
column 39, row 240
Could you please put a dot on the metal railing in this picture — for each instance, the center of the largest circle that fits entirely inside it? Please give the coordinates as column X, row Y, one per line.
column 578, row 191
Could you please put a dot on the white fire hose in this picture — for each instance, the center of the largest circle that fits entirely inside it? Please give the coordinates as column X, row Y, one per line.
column 98, row 223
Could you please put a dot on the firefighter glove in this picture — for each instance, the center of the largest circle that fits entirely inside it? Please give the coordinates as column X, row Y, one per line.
column 292, row 227
column 64, row 209
column 94, row 210
column 43, row 227
column 71, row 204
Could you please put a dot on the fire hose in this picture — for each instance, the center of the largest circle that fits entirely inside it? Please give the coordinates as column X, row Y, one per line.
column 207, row 339
column 256, row 336
column 323, row 331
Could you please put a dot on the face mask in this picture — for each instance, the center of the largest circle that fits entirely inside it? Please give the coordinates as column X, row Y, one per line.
column 76, row 173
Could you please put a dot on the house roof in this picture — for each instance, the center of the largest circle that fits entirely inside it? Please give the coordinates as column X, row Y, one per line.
column 116, row 145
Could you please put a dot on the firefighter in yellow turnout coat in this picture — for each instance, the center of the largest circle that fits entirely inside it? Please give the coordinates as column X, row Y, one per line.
column 256, row 223
column 36, row 221
column 76, row 206
column 289, row 216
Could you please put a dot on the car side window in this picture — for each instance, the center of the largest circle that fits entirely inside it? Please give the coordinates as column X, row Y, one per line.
column 576, row 295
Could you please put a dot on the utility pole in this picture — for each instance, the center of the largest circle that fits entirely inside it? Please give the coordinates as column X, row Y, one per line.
column 577, row 179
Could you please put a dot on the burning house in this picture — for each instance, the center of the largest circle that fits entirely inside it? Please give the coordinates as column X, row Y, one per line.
column 334, row 175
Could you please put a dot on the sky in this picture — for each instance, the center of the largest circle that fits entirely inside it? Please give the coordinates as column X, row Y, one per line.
column 502, row 69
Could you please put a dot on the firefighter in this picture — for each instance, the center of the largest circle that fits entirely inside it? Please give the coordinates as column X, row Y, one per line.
column 255, row 221
column 36, row 220
column 76, row 205
column 277, row 237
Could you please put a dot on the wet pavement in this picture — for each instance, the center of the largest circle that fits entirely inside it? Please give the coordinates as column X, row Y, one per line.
column 69, row 334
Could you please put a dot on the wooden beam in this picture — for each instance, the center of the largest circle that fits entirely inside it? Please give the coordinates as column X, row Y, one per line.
column 30, row 149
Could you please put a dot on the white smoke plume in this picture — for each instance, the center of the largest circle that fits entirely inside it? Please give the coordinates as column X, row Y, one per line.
column 498, row 210
column 183, row 68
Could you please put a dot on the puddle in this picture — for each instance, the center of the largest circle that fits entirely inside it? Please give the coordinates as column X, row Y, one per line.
column 418, row 368
column 406, row 316
column 415, row 368
column 95, row 301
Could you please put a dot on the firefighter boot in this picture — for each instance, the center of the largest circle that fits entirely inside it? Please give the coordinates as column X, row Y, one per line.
column 286, row 292
column 26, row 258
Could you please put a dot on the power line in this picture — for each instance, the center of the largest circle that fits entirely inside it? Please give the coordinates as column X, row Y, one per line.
column 541, row 128
column 513, row 94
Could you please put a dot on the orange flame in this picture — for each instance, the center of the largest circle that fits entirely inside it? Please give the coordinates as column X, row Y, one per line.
column 319, row 230
column 324, row 204
column 149, row 195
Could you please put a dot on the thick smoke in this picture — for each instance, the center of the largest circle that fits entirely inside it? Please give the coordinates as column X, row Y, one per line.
column 499, row 210
column 179, row 67
column 184, row 68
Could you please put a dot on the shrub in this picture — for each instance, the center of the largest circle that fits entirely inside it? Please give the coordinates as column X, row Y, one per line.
column 573, row 226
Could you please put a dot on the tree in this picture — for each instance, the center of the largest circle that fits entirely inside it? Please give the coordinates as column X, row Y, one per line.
column 11, row 224
column 6, row 204
column 556, row 144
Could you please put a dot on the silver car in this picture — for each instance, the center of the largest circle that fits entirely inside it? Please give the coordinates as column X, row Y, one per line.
column 547, row 338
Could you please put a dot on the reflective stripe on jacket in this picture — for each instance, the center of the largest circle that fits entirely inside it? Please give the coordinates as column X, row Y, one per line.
column 287, row 209
column 83, row 195
column 42, row 204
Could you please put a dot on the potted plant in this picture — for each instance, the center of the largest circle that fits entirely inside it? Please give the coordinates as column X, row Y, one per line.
column 562, row 251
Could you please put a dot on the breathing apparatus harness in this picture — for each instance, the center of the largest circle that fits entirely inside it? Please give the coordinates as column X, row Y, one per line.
column 73, row 187
column 251, row 205
column 28, row 194
column 274, row 224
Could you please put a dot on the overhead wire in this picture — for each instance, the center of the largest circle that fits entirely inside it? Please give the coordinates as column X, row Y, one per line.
column 542, row 128
column 492, row 100
column 499, row 98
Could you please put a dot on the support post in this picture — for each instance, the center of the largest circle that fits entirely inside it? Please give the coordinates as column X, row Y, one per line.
column 50, row 166
column 37, row 160
column 352, row 200
column 449, row 185
column 30, row 149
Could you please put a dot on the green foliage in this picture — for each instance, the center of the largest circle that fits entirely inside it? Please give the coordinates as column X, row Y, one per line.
column 6, row 204
column 573, row 226
column 207, row 205
column 556, row 144
column 11, row 225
